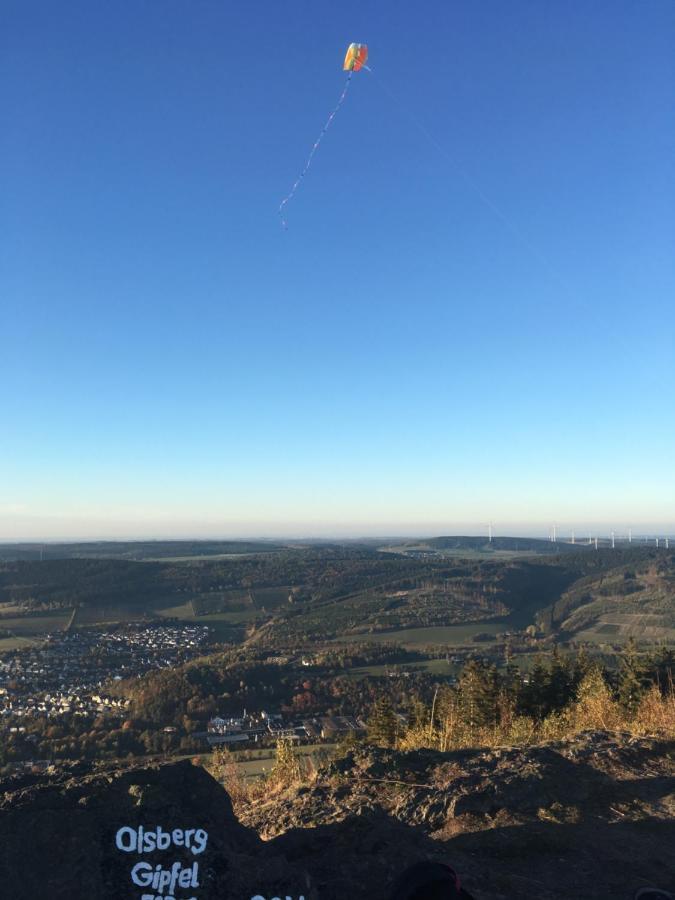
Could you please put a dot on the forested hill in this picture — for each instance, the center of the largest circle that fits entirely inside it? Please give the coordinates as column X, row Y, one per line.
column 134, row 550
column 69, row 582
column 103, row 582
column 358, row 585
column 481, row 544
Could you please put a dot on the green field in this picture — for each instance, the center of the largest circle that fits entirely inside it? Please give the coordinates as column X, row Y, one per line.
column 30, row 631
column 18, row 643
column 209, row 557
column 227, row 626
column 442, row 634
column 88, row 616
column 467, row 553
column 11, row 609
column 270, row 597
column 620, row 632
column 32, row 626
column 224, row 625
column 182, row 611
column 185, row 612
column 254, row 768
column 432, row 666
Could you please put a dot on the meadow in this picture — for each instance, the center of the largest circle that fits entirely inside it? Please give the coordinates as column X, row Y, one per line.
column 440, row 667
column 29, row 631
column 226, row 626
column 265, row 759
column 441, row 634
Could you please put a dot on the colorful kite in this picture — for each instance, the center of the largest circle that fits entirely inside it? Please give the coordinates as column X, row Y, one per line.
column 356, row 57
column 355, row 60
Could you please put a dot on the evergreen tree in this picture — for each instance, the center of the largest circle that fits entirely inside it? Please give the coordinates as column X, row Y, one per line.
column 582, row 666
column 532, row 701
column 560, row 682
column 382, row 724
column 511, row 682
column 632, row 681
column 663, row 669
column 479, row 694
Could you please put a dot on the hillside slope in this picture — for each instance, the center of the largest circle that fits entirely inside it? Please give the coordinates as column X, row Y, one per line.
column 635, row 598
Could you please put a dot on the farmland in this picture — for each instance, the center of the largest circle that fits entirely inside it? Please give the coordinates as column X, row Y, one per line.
column 442, row 634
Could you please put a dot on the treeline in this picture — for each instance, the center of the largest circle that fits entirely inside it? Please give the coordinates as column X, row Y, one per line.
column 188, row 696
column 481, row 543
column 486, row 707
column 560, row 695
column 106, row 582
column 131, row 550
column 64, row 583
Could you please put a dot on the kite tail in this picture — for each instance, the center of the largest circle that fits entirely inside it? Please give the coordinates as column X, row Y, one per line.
column 313, row 151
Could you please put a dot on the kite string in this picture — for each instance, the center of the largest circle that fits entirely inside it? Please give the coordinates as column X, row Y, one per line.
column 468, row 179
column 296, row 185
column 553, row 272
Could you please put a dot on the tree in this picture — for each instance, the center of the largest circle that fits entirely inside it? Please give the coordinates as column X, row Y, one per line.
column 560, row 686
column 286, row 770
column 663, row 666
column 479, row 694
column 382, row 724
column 532, row 701
column 595, row 707
column 349, row 741
column 224, row 769
column 632, row 682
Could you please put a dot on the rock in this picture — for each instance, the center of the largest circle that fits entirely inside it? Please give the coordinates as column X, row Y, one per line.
column 591, row 817
column 60, row 836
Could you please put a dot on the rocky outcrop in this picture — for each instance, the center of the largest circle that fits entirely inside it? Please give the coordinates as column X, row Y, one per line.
column 99, row 833
column 592, row 817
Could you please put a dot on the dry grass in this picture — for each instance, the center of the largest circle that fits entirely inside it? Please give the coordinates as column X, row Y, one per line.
column 289, row 771
column 594, row 708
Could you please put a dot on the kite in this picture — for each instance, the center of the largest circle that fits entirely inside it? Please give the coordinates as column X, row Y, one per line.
column 355, row 60
column 356, row 57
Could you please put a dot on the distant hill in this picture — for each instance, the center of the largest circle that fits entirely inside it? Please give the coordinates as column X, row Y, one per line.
column 323, row 593
column 481, row 544
column 134, row 550
column 635, row 597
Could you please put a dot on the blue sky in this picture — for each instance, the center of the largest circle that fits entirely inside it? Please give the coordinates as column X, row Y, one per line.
column 470, row 316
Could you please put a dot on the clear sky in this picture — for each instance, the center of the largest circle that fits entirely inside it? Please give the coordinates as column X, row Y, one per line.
column 470, row 317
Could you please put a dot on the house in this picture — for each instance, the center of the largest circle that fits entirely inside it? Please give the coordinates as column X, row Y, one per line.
column 334, row 726
column 278, row 730
column 217, row 725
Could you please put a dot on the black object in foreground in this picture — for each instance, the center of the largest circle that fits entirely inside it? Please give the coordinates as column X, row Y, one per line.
column 429, row 881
